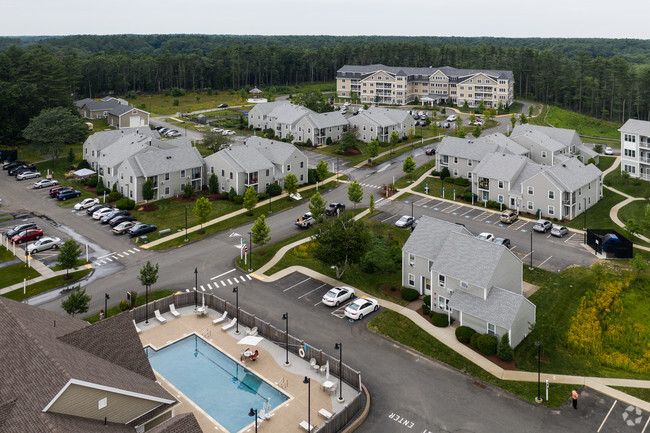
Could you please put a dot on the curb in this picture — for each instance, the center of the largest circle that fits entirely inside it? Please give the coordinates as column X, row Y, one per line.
column 360, row 420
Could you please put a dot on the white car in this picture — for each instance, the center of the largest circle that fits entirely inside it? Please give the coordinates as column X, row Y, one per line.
column 347, row 104
column 609, row 151
column 27, row 175
column 231, row 132
column 124, row 227
column 217, row 129
column 101, row 213
column 485, row 237
column 361, row 307
column 336, row 295
column 43, row 183
column 86, row 203
column 451, row 118
column 405, row 221
column 43, row 244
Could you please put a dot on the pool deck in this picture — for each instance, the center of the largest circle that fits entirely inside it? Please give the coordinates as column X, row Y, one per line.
column 269, row 366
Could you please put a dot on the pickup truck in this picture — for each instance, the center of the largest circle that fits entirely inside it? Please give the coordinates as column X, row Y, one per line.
column 305, row 221
column 334, row 209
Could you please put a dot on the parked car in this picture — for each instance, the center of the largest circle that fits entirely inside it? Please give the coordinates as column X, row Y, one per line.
column 502, row 241
column 115, row 213
column 158, row 128
column 336, row 295
column 404, row 221
column 92, row 209
column 559, row 231
column 305, row 221
column 542, row 226
column 10, row 165
column 609, row 150
column 334, row 208
column 452, row 118
column 123, row 227
column 86, row 203
column 20, row 228
column 27, row 174
column 54, row 191
column 161, row 131
column 120, row 219
column 430, row 151
column 102, row 212
column 20, row 169
column 222, row 106
column 44, row 183
column 27, row 235
column 43, row 244
column 485, row 236
column 141, row 229
column 446, row 125
column 67, row 194
column 217, row 130
column 415, row 223
column 361, row 307
column 508, row 217
column 174, row 134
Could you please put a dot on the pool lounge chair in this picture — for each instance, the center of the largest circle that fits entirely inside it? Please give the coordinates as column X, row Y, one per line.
column 325, row 413
column 252, row 331
column 172, row 309
column 220, row 318
column 138, row 330
column 229, row 325
column 159, row 316
column 305, row 426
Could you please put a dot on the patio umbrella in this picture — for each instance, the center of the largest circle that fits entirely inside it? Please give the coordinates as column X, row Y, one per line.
column 203, row 301
column 250, row 340
column 327, row 370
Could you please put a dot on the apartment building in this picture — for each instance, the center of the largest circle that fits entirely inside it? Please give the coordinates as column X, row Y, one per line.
column 635, row 148
column 398, row 86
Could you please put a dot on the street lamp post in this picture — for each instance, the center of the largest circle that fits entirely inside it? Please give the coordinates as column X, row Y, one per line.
column 308, row 382
column 585, row 223
column 285, row 317
column 531, row 251
column 235, row 290
column 253, row 412
column 339, row 346
column 186, row 207
column 250, row 251
column 146, row 302
column 106, row 298
column 196, row 288
column 538, row 399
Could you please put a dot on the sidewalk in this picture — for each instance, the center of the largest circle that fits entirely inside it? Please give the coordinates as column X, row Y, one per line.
column 401, row 147
column 44, row 276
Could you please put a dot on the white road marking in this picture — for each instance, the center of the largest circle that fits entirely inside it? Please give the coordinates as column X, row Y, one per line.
column 646, row 425
column 221, row 275
column 527, row 254
column 386, row 219
column 300, row 297
column 120, row 255
column 223, row 284
column 607, row 416
column 228, row 279
column 236, row 280
column 209, row 286
column 202, row 288
column 249, row 277
column 540, row 265
column 136, row 250
column 463, row 214
column 297, row 284
column 125, row 253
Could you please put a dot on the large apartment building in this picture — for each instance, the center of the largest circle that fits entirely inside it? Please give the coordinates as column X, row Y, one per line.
column 635, row 148
column 398, row 86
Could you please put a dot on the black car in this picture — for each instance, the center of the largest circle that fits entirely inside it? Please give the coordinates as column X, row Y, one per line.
column 20, row 168
column 22, row 227
column 10, row 165
column 335, row 208
column 430, row 151
column 113, row 214
column 222, row 106
column 502, row 241
column 120, row 219
column 141, row 229
column 91, row 210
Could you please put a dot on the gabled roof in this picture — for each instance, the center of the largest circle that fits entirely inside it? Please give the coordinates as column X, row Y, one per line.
column 530, row 169
column 634, row 126
column 290, row 113
column 123, row 109
column 474, row 149
column 528, row 137
column 95, row 105
column 275, row 151
column 102, row 139
column 162, row 161
column 327, row 120
column 500, row 307
column 120, row 150
column 268, row 107
column 506, row 144
column 429, row 236
column 453, row 73
column 573, row 174
column 567, row 137
column 43, row 352
column 383, row 117
column 183, row 423
column 500, row 166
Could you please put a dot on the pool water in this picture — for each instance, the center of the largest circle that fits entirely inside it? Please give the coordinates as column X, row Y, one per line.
column 220, row 386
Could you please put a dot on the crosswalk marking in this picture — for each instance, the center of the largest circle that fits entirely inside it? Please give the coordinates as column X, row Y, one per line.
column 223, row 284
column 249, row 277
column 236, row 280
column 209, row 286
column 202, row 288
column 228, row 279
column 125, row 253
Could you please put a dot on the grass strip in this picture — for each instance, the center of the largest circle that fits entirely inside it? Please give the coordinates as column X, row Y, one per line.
column 157, row 294
column 14, row 274
column 5, row 254
column 46, row 285
column 641, row 393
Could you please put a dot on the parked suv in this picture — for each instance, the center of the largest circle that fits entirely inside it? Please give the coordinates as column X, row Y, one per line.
column 508, row 217
column 335, row 208
column 20, row 228
column 542, row 226
column 67, row 194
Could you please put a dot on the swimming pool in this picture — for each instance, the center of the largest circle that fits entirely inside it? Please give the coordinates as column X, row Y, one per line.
column 220, row 386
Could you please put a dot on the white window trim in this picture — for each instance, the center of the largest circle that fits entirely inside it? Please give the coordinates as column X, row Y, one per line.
column 411, row 280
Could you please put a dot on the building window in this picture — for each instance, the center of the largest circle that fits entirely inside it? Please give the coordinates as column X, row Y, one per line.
column 469, row 162
column 427, row 283
column 530, row 205
column 551, row 195
column 443, row 303
column 223, row 187
column 288, row 167
column 166, row 190
column 455, row 160
column 211, row 169
column 500, row 184
column 411, row 280
column 455, row 172
column 531, row 190
column 302, row 164
column 441, row 280
column 167, row 175
column 411, row 259
column 130, row 179
column 491, row 329
column 182, row 186
column 551, row 210
column 182, row 173
column 223, row 173
column 543, row 154
column 301, row 177
column 231, row 174
column 500, row 198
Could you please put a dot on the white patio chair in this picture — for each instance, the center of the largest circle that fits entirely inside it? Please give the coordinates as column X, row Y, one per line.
column 252, row 331
column 220, row 318
column 159, row 316
column 172, row 309
column 138, row 330
column 229, row 325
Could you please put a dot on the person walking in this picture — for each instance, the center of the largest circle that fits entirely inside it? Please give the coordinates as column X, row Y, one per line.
column 101, row 315
column 574, row 398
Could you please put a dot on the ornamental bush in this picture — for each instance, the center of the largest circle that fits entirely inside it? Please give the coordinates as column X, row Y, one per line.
column 464, row 333
column 114, row 196
column 125, row 204
column 238, row 199
column 487, row 344
column 504, row 351
column 92, row 181
column 440, row 320
column 409, row 294
column 473, row 340
column 274, row 190
column 427, row 299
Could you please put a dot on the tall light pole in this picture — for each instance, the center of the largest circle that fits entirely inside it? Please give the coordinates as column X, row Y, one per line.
column 538, row 399
column 196, row 288
column 339, row 346
column 531, row 251
column 146, row 301
column 250, row 251
column 285, row 317
column 308, row 382
column 235, row 290
column 585, row 223
column 106, row 298
column 186, row 208
column 253, row 412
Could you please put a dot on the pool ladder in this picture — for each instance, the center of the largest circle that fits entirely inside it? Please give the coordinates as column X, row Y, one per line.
column 283, row 383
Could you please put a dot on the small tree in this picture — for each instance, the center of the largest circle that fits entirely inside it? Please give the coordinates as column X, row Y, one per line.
column 522, row 119
column 639, row 265
column 188, row 190
column 444, row 173
column 148, row 274
column 513, row 120
column 505, row 352
column 260, row 232
column 69, row 253
column 409, row 165
column 321, row 171
column 250, row 199
column 394, row 139
column 317, row 207
column 355, row 193
column 531, row 110
column 371, row 205
column 77, row 302
column 215, row 141
column 202, row 209
column 291, row 184
column 53, row 128
column 598, row 148
column 373, row 148
column 213, row 184
column 476, row 132
column 459, row 122
column 147, row 190
column 461, row 133
column 71, row 155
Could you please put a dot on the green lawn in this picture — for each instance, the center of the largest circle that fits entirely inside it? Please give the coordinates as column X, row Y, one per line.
column 14, row 274
column 632, row 187
column 642, row 393
column 164, row 105
column 112, row 311
column 539, row 119
column 598, row 215
column 605, row 162
column 416, row 142
column 46, row 285
column 404, row 331
column 5, row 254
column 99, row 124
column 584, row 125
column 405, row 181
column 636, row 211
column 262, row 255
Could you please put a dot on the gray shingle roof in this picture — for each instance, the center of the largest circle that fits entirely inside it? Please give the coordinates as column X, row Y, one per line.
column 527, row 136
column 275, row 151
column 122, row 109
column 634, row 126
column 120, row 150
column 590, row 153
column 529, row 170
column 161, row 161
column 500, row 307
column 506, row 144
column 501, row 166
column 567, row 137
column 573, row 174
column 183, row 423
column 94, row 104
column 384, row 117
column 268, row 107
column 447, row 70
column 290, row 113
column 102, row 139
column 429, row 236
column 327, row 120
column 474, row 149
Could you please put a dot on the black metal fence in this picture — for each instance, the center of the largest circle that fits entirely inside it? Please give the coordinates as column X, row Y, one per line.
column 623, row 249
column 275, row 335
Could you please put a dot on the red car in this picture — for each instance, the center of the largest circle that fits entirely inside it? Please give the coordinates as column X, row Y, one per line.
column 27, row 235
column 54, row 191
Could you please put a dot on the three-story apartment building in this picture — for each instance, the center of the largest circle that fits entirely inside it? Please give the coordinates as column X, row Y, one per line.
column 635, row 148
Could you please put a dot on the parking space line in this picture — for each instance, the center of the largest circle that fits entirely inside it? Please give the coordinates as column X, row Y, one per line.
column 209, row 286
column 221, row 275
column 451, row 208
column 463, row 214
column 228, row 279
column 527, row 254
column 223, row 284
column 203, row 288
column 422, row 201
column 540, row 265
column 297, row 284
column 236, row 280
column 386, row 219
column 482, row 216
column 570, row 237
column 607, row 416
column 300, row 297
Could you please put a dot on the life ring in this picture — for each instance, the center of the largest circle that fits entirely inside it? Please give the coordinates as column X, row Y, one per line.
column 301, row 352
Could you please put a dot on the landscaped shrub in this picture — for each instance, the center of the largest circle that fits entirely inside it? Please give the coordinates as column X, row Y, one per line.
column 444, row 173
column 427, row 299
column 125, row 204
column 262, row 196
column 409, row 294
column 101, row 190
column 92, row 181
column 83, row 164
column 461, row 181
column 225, row 196
column 274, row 190
column 435, row 173
column 426, row 310
column 238, row 199
column 487, row 344
column 114, row 196
column 311, row 176
column 464, row 333
column 188, row 191
column 473, row 340
column 328, row 141
column 504, row 351
column 124, row 305
column 440, row 320
column 231, row 194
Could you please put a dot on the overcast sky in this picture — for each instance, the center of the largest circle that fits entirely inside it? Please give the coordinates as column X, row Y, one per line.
column 508, row 18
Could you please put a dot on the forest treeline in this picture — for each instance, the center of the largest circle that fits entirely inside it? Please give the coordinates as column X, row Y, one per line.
column 604, row 78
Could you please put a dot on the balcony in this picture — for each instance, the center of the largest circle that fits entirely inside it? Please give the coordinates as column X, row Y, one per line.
column 196, row 173
column 643, row 160
column 251, row 179
column 483, row 183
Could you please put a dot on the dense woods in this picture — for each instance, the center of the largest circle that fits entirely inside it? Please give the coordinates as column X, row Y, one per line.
column 605, row 78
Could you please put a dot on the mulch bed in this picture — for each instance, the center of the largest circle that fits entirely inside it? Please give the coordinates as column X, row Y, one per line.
column 183, row 199
column 351, row 152
column 148, row 208
column 394, row 293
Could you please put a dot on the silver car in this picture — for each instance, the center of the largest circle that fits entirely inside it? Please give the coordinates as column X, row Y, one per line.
column 44, row 183
column 43, row 244
column 559, row 231
column 124, row 227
